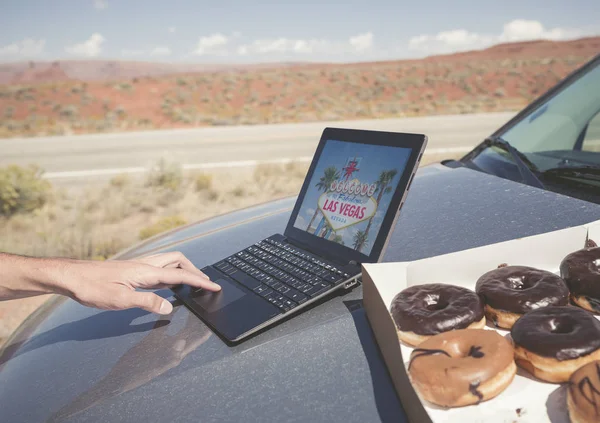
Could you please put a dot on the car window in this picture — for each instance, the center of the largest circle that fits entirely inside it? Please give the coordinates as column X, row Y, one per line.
column 557, row 124
column 591, row 142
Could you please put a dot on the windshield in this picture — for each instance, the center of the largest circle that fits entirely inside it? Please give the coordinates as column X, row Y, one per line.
column 565, row 130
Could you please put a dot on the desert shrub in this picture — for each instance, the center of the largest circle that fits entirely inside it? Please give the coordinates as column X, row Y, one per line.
column 120, row 111
column 163, row 225
column 107, row 248
column 238, row 191
column 120, row 180
column 500, row 92
column 265, row 172
column 22, row 189
column 124, row 86
column 165, row 174
column 9, row 112
column 203, row 181
column 295, row 169
column 144, row 122
column 69, row 111
column 86, row 98
column 212, row 195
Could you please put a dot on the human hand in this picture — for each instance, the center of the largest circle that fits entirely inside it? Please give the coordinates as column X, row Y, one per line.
column 111, row 285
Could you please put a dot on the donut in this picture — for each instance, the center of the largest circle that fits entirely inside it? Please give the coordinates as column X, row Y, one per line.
column 583, row 395
column 581, row 271
column 421, row 311
column 552, row 342
column 462, row 367
column 511, row 291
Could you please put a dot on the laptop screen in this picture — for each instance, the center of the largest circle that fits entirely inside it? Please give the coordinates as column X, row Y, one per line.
column 350, row 191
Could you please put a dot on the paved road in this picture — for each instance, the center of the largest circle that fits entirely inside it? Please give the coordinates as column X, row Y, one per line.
column 82, row 156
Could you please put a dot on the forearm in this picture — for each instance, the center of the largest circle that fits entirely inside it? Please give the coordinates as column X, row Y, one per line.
column 22, row 277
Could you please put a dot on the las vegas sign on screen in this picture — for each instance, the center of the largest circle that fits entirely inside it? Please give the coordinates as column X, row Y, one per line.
column 348, row 203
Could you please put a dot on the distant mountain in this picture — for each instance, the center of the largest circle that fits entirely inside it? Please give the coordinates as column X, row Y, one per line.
column 536, row 48
column 103, row 70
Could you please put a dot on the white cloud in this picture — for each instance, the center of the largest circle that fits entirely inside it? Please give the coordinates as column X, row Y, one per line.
column 160, row 51
column 313, row 46
column 100, row 4
column 283, row 45
column 24, row 48
column 521, row 30
column 215, row 44
column 362, row 42
column 92, row 47
column 172, row 29
column 462, row 39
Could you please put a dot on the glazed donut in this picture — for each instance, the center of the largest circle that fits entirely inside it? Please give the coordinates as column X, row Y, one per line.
column 552, row 342
column 511, row 291
column 421, row 311
column 462, row 367
column 583, row 396
column 581, row 271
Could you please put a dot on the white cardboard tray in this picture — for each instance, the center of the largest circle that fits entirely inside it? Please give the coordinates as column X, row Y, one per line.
column 526, row 399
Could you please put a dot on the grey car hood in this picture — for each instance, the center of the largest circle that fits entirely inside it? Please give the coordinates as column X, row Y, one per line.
column 72, row 363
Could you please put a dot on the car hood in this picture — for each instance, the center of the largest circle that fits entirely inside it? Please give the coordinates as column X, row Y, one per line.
column 72, row 363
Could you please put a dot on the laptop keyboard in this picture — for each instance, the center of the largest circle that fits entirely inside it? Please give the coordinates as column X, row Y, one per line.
column 281, row 274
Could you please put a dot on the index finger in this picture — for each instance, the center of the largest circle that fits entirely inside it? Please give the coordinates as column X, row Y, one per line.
column 177, row 276
column 172, row 259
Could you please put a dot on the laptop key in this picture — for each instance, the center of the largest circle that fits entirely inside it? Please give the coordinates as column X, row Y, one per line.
column 333, row 278
column 221, row 265
column 305, row 287
column 248, row 281
column 261, row 288
column 266, row 292
column 270, row 297
column 290, row 304
column 283, row 289
column 297, row 297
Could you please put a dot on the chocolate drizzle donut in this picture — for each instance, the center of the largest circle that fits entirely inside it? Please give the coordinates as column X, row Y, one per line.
column 462, row 367
column 553, row 342
column 581, row 271
column 511, row 291
column 421, row 311
column 583, row 396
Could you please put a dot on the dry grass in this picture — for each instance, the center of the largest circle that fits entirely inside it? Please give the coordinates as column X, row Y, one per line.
column 103, row 220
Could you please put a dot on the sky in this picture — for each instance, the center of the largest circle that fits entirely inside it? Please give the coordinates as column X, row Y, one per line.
column 244, row 31
column 375, row 159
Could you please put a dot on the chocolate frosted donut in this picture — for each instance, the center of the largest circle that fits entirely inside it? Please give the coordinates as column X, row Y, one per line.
column 553, row 342
column 424, row 310
column 511, row 291
column 581, row 271
column 583, row 396
column 462, row 367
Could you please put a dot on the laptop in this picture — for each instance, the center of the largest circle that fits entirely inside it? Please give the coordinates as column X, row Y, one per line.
column 343, row 217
